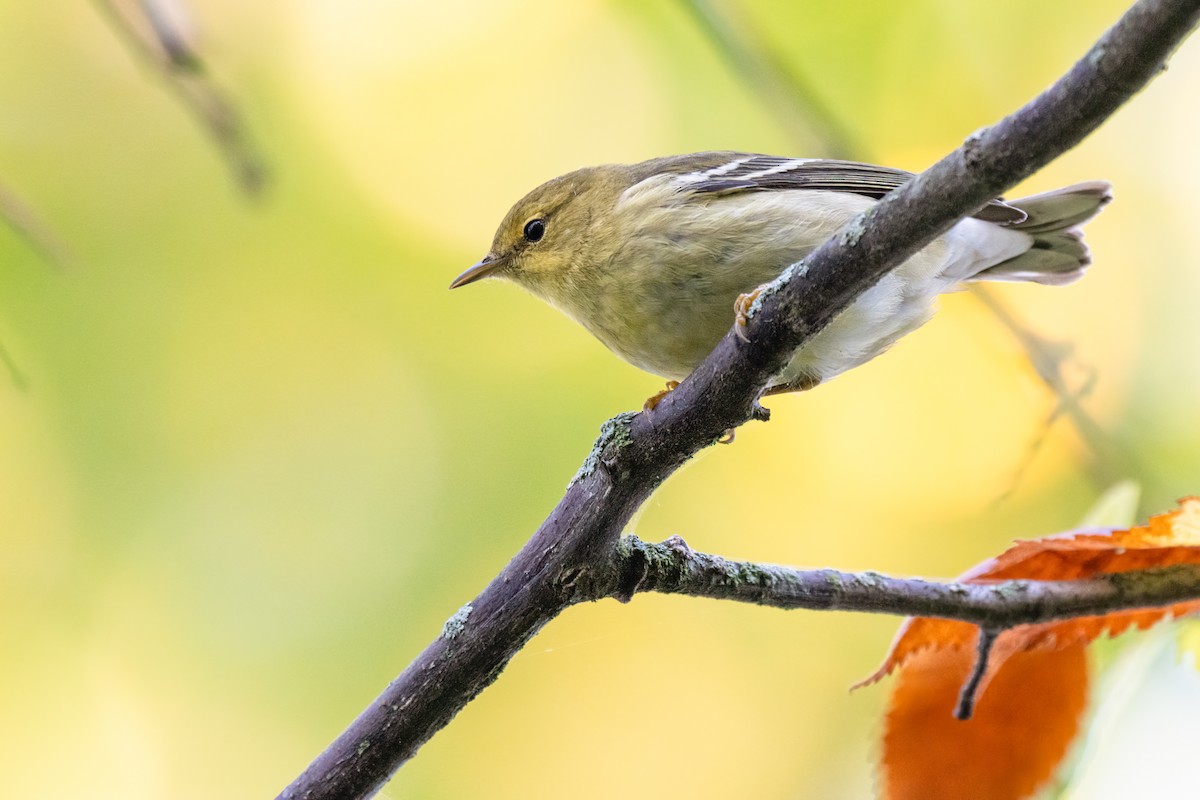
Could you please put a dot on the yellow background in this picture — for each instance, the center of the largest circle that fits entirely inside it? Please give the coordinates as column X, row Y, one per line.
column 263, row 453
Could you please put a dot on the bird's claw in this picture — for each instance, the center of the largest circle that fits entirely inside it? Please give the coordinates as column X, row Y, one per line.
column 741, row 310
column 652, row 402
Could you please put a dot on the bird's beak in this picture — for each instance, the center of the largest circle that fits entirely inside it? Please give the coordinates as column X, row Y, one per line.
column 480, row 269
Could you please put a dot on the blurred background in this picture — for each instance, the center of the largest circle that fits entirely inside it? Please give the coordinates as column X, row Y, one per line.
column 253, row 453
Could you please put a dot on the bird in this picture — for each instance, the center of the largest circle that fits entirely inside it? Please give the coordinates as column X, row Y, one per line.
column 658, row 259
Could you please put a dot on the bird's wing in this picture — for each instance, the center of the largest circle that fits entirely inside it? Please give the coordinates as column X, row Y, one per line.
column 728, row 173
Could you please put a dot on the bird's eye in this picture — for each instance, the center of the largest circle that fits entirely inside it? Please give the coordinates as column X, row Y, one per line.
column 535, row 229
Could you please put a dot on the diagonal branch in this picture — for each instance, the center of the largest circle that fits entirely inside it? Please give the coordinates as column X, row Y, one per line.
column 788, row 93
column 792, row 98
column 1110, row 457
column 158, row 38
column 573, row 555
column 29, row 226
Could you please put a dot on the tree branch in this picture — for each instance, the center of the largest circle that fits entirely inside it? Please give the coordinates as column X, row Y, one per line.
column 791, row 97
column 574, row 556
column 156, row 37
column 1110, row 457
column 29, row 226
column 672, row 567
column 786, row 92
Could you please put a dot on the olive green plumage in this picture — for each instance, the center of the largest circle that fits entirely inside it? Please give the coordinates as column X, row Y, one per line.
column 650, row 257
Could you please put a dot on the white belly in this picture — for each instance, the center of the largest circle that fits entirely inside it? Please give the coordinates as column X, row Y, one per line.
column 667, row 302
column 903, row 300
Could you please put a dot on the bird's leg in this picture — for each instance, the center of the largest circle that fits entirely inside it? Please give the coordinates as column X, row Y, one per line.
column 741, row 310
column 800, row 384
column 652, row 402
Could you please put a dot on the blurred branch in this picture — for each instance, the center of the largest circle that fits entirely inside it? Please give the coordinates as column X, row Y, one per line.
column 18, row 378
column 1109, row 459
column 573, row 556
column 784, row 89
column 21, row 218
column 159, row 35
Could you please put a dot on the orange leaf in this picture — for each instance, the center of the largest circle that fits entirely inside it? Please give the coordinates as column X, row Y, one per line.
column 1021, row 728
column 1031, row 696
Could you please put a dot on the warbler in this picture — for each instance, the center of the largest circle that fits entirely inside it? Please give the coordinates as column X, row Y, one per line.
column 651, row 257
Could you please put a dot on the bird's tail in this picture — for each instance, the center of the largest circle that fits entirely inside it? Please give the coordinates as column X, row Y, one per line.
column 1058, row 255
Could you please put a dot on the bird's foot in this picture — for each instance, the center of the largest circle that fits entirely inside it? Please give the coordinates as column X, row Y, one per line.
column 652, row 402
column 728, row 436
column 741, row 310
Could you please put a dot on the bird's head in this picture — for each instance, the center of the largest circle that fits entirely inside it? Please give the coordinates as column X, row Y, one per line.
column 546, row 238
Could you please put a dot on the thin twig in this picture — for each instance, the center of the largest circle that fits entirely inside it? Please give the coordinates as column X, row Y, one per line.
column 1109, row 458
column 159, row 42
column 572, row 556
column 966, row 698
column 22, row 219
column 19, row 379
column 786, row 91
